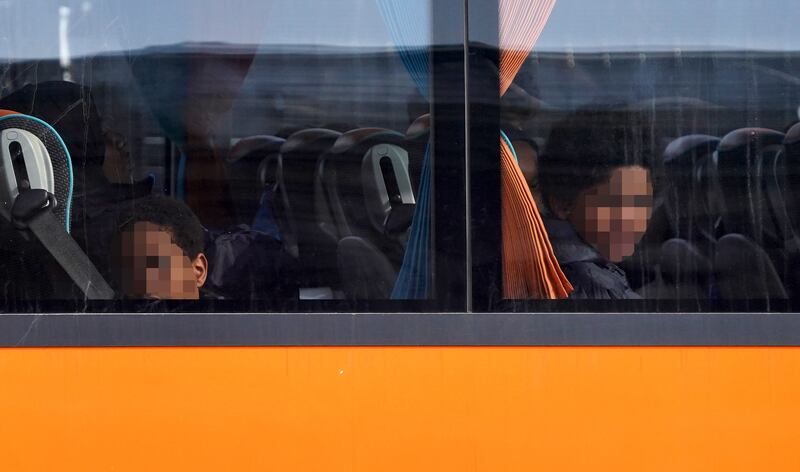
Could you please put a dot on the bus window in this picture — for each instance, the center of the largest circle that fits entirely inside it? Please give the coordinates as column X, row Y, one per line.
column 333, row 156
column 656, row 142
column 270, row 152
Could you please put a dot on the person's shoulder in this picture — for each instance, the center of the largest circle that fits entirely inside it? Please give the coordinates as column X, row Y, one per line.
column 598, row 280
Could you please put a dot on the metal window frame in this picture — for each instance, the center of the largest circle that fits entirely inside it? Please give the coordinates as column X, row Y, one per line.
column 467, row 239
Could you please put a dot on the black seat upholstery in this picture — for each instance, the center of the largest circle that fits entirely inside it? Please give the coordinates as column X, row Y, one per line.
column 684, row 273
column 338, row 182
column 370, row 198
column 682, row 203
column 739, row 160
column 366, row 209
column 782, row 186
column 752, row 175
column 685, row 270
column 744, row 271
column 249, row 157
column 367, row 274
column 297, row 164
column 791, row 167
column 709, row 206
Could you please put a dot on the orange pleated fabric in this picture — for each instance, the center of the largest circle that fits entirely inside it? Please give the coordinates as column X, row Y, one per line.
column 530, row 269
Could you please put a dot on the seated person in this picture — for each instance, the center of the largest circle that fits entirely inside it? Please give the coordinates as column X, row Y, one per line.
column 117, row 165
column 527, row 152
column 96, row 200
column 595, row 180
column 246, row 264
column 158, row 251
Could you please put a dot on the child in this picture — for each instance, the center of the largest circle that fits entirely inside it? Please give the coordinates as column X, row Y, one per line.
column 157, row 252
column 595, row 179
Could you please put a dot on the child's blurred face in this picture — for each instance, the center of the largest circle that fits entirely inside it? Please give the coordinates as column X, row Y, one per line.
column 612, row 216
column 150, row 266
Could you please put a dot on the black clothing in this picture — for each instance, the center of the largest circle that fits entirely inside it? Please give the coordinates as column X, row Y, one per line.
column 95, row 219
column 69, row 109
column 244, row 264
column 590, row 274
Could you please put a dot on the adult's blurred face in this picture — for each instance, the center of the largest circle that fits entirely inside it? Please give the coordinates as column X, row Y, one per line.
column 613, row 215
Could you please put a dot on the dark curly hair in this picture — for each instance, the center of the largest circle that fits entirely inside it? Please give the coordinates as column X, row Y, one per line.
column 585, row 148
column 170, row 215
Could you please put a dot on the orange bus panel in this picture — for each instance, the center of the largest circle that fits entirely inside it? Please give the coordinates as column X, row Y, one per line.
column 400, row 409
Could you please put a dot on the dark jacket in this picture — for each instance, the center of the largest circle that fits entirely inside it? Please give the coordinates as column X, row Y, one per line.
column 96, row 214
column 245, row 264
column 591, row 275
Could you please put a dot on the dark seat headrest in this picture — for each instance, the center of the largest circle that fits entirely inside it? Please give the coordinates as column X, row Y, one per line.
column 254, row 146
column 353, row 138
column 683, row 156
column 310, row 140
column 419, row 127
column 682, row 149
column 793, row 136
column 739, row 153
column 791, row 159
column 740, row 160
column 756, row 138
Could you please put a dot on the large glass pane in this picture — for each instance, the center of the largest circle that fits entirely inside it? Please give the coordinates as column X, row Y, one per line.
column 658, row 142
column 260, row 152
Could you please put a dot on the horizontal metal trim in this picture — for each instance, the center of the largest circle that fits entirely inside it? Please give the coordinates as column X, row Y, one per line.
column 403, row 329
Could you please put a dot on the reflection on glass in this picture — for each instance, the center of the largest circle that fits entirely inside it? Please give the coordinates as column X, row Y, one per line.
column 701, row 98
column 284, row 126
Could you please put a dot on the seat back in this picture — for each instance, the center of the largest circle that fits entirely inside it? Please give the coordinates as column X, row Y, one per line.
column 739, row 160
column 776, row 191
column 373, row 187
column 744, row 271
column 373, row 202
column 34, row 157
column 297, row 164
column 682, row 200
column 684, row 268
column 337, row 180
column 685, row 274
column 367, row 274
column 249, row 157
column 709, row 206
column 791, row 168
column 388, row 194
